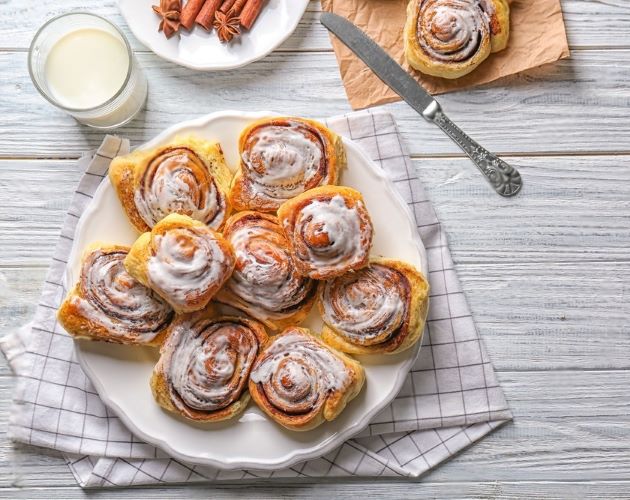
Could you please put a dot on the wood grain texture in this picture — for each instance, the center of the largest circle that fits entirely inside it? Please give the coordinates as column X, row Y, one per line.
column 547, row 274
column 590, row 23
column 556, row 108
column 568, row 424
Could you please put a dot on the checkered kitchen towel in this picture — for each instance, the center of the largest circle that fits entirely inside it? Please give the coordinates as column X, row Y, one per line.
column 450, row 399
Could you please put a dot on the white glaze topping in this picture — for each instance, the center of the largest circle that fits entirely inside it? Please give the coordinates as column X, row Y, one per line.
column 187, row 262
column 304, row 361
column 282, row 161
column 264, row 276
column 450, row 30
column 209, row 363
column 179, row 183
column 338, row 226
column 366, row 307
column 115, row 300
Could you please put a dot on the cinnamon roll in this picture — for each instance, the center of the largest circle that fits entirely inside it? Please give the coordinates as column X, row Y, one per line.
column 450, row 38
column 187, row 176
column 108, row 304
column 329, row 231
column 281, row 158
column 183, row 261
column 264, row 283
column 300, row 382
column 380, row 309
column 204, row 365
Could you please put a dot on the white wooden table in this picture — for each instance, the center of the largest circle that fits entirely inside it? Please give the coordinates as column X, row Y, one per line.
column 547, row 274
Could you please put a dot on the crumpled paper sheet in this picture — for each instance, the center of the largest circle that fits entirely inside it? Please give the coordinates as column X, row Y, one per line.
column 537, row 37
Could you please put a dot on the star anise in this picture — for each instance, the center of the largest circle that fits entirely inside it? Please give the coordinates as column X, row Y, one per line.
column 169, row 11
column 228, row 25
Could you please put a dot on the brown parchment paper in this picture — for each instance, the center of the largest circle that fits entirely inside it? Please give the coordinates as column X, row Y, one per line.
column 537, row 37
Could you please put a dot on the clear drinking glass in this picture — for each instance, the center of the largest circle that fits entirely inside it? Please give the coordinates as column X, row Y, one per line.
column 121, row 107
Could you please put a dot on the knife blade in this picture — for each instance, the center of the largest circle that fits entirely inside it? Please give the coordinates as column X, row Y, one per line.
column 504, row 178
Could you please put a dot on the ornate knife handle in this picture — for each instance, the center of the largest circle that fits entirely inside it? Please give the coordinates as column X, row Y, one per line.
column 504, row 179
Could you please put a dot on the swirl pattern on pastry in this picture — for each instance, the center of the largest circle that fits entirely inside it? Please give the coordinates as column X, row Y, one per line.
column 205, row 364
column 329, row 231
column 183, row 261
column 187, row 176
column 379, row 309
column 178, row 181
column 300, row 382
column 450, row 38
column 283, row 157
column 265, row 283
column 108, row 304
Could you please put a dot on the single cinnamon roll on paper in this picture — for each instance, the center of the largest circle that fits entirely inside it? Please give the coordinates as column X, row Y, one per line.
column 108, row 304
column 300, row 382
column 281, row 158
column 380, row 309
column 187, row 176
column 450, row 38
column 183, row 261
column 265, row 283
column 329, row 231
column 205, row 364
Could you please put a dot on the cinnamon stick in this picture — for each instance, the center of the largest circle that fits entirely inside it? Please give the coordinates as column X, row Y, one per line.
column 190, row 12
column 226, row 6
column 205, row 18
column 238, row 7
column 250, row 12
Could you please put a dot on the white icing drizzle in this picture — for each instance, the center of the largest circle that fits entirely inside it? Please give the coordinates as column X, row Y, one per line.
column 366, row 307
column 304, row 362
column 450, row 30
column 176, row 184
column 209, row 363
column 187, row 262
column 115, row 300
column 282, row 161
column 339, row 226
column 264, row 276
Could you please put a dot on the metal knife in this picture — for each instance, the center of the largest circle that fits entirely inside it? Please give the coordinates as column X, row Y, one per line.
column 504, row 179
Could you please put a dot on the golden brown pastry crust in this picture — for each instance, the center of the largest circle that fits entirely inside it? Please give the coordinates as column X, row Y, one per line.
column 395, row 294
column 195, row 335
column 183, row 261
column 187, row 176
column 253, row 188
column 440, row 35
column 107, row 304
column 264, row 283
column 301, row 382
column 329, row 231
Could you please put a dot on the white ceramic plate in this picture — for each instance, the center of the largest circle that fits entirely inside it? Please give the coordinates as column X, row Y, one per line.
column 201, row 50
column 121, row 373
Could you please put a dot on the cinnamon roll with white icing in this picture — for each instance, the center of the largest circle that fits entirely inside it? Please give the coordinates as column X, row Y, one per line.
column 187, row 176
column 450, row 38
column 265, row 283
column 380, row 309
column 329, row 231
column 281, row 158
column 108, row 304
column 183, row 261
column 205, row 364
column 300, row 382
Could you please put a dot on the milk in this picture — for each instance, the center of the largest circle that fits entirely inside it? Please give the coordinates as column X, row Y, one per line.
column 86, row 67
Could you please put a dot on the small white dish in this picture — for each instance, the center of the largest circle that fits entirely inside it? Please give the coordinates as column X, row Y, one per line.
column 202, row 50
column 121, row 374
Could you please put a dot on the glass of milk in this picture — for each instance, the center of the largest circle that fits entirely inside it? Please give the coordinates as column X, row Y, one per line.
column 83, row 64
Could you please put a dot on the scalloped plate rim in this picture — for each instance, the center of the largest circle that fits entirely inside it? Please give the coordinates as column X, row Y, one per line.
column 298, row 455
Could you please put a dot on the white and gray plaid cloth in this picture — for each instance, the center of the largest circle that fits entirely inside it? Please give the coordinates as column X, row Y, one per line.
column 450, row 399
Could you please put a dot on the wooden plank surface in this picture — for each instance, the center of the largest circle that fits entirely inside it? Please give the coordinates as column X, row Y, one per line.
column 547, row 274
